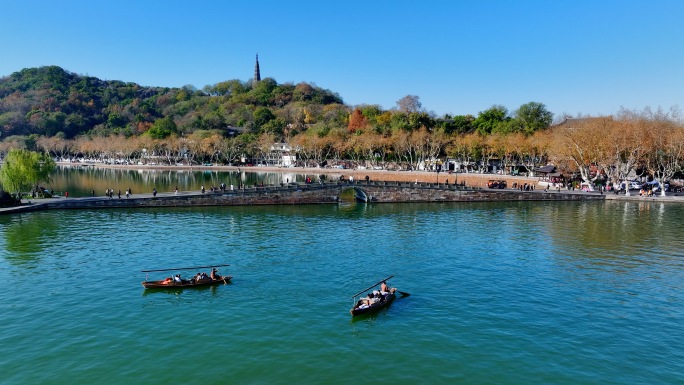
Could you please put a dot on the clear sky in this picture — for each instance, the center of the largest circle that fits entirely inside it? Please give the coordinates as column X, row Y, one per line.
column 588, row 57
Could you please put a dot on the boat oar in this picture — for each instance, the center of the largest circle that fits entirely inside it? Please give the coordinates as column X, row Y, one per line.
column 183, row 268
column 365, row 290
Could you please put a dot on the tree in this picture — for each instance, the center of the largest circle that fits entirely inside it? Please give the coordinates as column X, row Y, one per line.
column 488, row 119
column 459, row 124
column 303, row 92
column 665, row 157
column 163, row 128
column 578, row 144
column 357, row 121
column 231, row 149
column 418, row 120
column 261, row 116
column 229, row 88
column 275, row 127
column 409, row 104
column 533, row 116
column 22, row 169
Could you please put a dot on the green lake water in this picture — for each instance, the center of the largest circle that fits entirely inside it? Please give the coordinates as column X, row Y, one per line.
column 501, row 293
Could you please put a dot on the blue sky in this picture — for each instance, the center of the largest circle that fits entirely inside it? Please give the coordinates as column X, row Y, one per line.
column 588, row 57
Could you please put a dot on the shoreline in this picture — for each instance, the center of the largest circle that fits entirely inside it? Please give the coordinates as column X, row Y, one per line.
column 445, row 182
column 406, row 176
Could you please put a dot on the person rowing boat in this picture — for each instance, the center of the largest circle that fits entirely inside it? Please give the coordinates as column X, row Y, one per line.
column 200, row 279
column 375, row 300
column 385, row 289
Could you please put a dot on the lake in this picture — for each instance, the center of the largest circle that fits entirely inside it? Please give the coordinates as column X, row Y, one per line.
column 505, row 293
column 82, row 181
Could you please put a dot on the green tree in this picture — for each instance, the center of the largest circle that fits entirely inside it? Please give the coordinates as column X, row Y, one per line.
column 262, row 115
column 22, row 168
column 420, row 119
column 163, row 128
column 399, row 121
column 274, row 127
column 459, row 124
column 533, row 116
column 508, row 126
column 487, row 120
column 371, row 112
column 262, row 92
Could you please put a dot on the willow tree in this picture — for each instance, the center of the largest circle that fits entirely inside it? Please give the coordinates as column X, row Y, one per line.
column 22, row 169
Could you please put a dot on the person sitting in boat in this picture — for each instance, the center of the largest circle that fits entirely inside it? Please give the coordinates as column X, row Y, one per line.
column 384, row 289
column 367, row 301
column 177, row 279
column 214, row 274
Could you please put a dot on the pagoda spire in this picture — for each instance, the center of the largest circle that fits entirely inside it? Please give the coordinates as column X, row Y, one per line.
column 257, row 73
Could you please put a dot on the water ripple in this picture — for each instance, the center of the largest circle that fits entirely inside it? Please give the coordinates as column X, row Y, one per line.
column 500, row 293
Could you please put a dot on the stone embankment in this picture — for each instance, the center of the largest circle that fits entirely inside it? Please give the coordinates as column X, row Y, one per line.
column 326, row 193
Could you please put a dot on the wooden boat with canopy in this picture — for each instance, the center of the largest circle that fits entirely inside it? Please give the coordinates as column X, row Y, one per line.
column 373, row 301
column 177, row 281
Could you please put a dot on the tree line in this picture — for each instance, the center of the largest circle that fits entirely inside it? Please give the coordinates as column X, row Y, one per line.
column 51, row 110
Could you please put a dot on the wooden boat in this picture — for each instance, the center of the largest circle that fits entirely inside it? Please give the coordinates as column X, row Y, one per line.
column 170, row 283
column 361, row 306
column 373, row 302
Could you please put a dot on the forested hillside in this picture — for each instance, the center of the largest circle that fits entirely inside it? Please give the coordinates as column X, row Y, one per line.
column 49, row 100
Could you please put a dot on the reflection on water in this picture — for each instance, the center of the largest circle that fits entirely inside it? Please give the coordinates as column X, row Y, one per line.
column 178, row 291
column 622, row 233
column 82, row 181
column 501, row 292
column 25, row 236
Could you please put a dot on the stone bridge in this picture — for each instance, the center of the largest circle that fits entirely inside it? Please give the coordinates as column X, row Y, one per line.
column 315, row 193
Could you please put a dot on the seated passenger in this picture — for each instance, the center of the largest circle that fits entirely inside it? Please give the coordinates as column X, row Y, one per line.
column 368, row 300
column 213, row 274
column 387, row 290
column 177, row 279
column 375, row 297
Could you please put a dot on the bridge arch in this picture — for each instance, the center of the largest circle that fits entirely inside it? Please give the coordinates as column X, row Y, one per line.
column 361, row 195
column 352, row 194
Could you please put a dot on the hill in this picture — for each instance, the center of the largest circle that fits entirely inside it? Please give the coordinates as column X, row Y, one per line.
column 51, row 101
